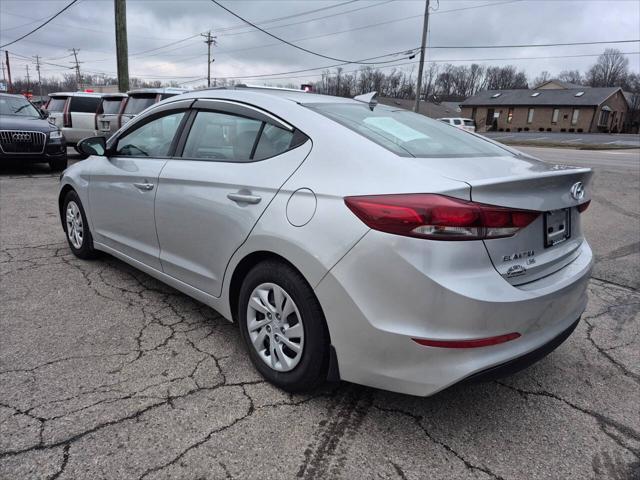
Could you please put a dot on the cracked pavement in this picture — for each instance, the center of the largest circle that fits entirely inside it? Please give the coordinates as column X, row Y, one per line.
column 107, row 373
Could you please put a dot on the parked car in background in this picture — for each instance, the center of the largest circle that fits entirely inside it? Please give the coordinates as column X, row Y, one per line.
column 464, row 123
column 75, row 113
column 26, row 135
column 143, row 98
column 109, row 113
column 348, row 239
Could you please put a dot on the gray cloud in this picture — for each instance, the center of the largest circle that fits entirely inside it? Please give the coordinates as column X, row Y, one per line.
column 242, row 50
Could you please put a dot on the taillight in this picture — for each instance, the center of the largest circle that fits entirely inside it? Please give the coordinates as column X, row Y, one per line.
column 583, row 206
column 438, row 217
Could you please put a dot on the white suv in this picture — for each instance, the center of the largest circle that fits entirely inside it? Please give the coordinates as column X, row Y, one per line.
column 75, row 113
column 109, row 113
column 463, row 123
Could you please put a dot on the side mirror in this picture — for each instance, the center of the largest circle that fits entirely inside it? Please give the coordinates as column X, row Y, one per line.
column 92, row 146
column 44, row 113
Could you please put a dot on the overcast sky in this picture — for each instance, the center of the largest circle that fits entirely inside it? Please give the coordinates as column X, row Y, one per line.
column 89, row 26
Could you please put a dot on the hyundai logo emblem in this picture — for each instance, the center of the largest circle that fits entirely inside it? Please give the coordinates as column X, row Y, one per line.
column 577, row 191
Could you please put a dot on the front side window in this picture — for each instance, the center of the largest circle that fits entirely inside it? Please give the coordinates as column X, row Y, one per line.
column 530, row 115
column 406, row 133
column 221, row 136
column 17, row 106
column 84, row 104
column 153, row 139
column 138, row 103
column 457, row 122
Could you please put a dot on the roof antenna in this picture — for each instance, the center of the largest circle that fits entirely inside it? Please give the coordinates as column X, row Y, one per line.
column 370, row 99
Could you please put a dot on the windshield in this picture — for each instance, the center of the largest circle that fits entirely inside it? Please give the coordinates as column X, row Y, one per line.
column 138, row 103
column 111, row 105
column 17, row 106
column 406, row 133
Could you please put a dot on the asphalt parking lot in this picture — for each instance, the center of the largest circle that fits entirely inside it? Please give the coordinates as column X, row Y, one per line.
column 606, row 140
column 106, row 373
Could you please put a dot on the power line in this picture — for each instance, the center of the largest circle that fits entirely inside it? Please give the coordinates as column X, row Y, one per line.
column 435, row 61
column 281, row 39
column 40, row 26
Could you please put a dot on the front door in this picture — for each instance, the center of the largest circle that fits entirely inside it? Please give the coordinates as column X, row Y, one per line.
column 233, row 163
column 123, row 188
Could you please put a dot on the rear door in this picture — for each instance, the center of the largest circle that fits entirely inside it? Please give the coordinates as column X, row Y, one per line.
column 234, row 159
column 123, row 186
column 83, row 110
column 109, row 116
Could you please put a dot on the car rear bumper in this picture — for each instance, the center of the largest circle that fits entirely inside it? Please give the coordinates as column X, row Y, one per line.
column 390, row 289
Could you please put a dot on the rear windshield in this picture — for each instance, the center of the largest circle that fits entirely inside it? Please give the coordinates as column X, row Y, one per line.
column 84, row 104
column 468, row 123
column 111, row 105
column 406, row 133
column 56, row 104
column 138, row 103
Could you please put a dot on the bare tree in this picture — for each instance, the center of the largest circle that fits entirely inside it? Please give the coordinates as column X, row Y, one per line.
column 610, row 70
column 571, row 76
column 504, row 78
column 543, row 77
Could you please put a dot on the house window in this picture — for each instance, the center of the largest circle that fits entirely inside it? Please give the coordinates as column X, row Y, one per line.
column 604, row 118
column 574, row 116
column 556, row 114
column 510, row 115
column 530, row 115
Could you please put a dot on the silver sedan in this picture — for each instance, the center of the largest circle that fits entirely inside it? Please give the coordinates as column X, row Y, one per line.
column 349, row 240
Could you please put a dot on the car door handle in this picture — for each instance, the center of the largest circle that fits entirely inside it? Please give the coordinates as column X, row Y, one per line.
column 244, row 198
column 144, row 186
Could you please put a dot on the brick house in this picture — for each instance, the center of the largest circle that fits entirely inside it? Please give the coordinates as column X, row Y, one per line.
column 551, row 107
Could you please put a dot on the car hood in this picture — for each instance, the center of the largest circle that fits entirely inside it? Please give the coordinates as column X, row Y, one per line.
column 15, row 122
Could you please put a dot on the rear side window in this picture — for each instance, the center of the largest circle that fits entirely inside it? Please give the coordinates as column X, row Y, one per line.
column 457, row 122
column 111, row 105
column 56, row 104
column 84, row 104
column 468, row 123
column 138, row 103
column 221, row 136
column 406, row 133
column 273, row 141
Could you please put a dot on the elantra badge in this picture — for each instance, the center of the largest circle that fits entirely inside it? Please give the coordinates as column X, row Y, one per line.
column 577, row 191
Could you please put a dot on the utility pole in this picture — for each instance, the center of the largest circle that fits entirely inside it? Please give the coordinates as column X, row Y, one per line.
column 39, row 79
column 209, row 41
column 416, row 106
column 122, row 48
column 77, row 66
column 28, row 80
column 9, row 85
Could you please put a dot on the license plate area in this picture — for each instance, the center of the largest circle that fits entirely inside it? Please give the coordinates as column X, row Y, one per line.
column 557, row 227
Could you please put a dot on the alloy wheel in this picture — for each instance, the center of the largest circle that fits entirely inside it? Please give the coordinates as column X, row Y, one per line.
column 275, row 327
column 75, row 228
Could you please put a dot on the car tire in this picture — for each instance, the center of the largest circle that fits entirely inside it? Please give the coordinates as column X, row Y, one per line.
column 58, row 165
column 73, row 217
column 311, row 363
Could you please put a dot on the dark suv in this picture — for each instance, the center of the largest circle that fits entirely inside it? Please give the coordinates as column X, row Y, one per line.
column 27, row 136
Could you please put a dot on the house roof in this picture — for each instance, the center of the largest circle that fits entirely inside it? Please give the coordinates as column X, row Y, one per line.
column 559, row 83
column 590, row 97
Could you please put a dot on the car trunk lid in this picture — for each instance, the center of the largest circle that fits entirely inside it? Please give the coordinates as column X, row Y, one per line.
column 550, row 242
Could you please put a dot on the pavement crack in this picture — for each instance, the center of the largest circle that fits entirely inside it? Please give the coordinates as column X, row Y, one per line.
column 65, row 460
column 418, row 421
